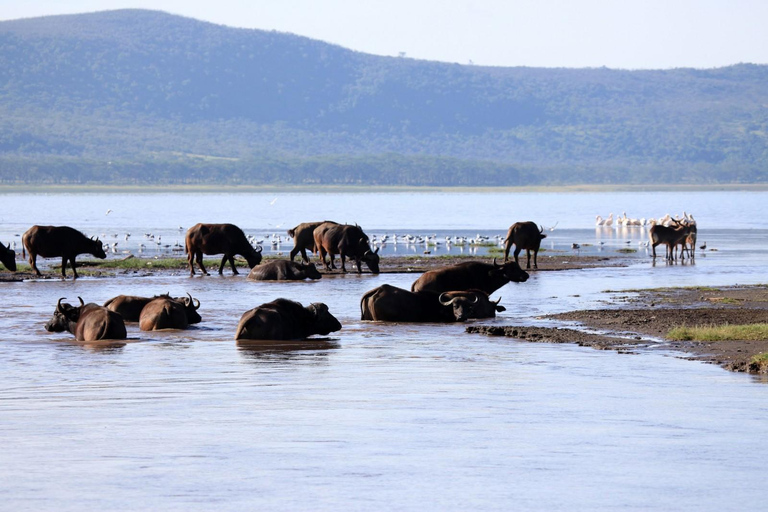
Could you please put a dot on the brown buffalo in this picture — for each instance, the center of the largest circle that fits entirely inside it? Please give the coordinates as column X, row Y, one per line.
column 284, row 319
column 8, row 257
column 391, row 304
column 284, row 270
column 163, row 313
column 88, row 322
column 670, row 236
column 304, row 238
column 346, row 241
column 59, row 241
column 470, row 275
column 130, row 306
column 217, row 239
column 524, row 235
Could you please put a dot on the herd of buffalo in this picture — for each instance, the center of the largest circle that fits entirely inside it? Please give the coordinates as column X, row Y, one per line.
column 450, row 294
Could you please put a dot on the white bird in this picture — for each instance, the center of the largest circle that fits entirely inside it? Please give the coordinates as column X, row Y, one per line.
column 609, row 220
column 108, row 211
column 599, row 221
column 272, row 201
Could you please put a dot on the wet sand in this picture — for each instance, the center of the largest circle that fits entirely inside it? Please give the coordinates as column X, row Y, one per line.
column 643, row 322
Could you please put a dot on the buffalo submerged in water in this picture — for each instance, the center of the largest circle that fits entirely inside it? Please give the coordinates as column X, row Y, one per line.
column 284, row 319
column 470, row 275
column 284, row 270
column 88, row 322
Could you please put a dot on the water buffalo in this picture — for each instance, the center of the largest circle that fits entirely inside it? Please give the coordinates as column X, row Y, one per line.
column 391, row 304
column 88, row 322
column 55, row 241
column 524, row 235
column 130, row 306
column 284, row 270
column 304, row 238
column 217, row 239
column 284, row 319
column 487, row 277
column 165, row 313
column 345, row 240
column 8, row 257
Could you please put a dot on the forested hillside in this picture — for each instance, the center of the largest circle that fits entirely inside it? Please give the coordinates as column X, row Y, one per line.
column 138, row 96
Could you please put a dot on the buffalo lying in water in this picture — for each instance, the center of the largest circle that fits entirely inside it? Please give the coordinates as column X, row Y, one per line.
column 524, row 235
column 346, row 241
column 88, row 322
column 169, row 313
column 284, row 270
column 284, row 319
column 217, row 239
column 59, row 241
column 470, row 275
column 131, row 306
column 391, row 304
column 8, row 257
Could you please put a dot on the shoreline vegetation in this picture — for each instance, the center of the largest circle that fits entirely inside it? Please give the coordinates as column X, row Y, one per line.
column 43, row 188
column 632, row 321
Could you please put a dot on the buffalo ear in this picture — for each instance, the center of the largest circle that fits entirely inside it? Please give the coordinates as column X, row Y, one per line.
column 499, row 309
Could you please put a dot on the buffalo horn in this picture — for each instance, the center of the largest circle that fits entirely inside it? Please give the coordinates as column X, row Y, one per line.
column 81, row 301
column 58, row 306
column 497, row 302
column 196, row 306
column 442, row 299
column 258, row 248
column 376, row 251
column 187, row 301
column 495, row 264
column 541, row 230
column 474, row 296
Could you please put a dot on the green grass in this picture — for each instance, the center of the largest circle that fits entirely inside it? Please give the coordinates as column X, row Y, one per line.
column 627, row 251
column 759, row 363
column 746, row 332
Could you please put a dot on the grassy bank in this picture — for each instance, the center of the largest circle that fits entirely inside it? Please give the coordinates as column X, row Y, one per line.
column 749, row 332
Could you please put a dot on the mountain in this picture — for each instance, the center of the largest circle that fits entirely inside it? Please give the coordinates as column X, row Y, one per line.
column 135, row 96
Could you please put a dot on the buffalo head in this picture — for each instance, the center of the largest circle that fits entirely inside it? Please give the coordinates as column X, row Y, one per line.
column 64, row 316
column 371, row 259
column 310, row 270
column 253, row 258
column 8, row 257
column 190, row 308
column 462, row 304
column 97, row 248
column 511, row 271
column 325, row 322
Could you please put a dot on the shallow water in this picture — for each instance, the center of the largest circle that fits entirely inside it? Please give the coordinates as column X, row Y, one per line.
column 402, row 417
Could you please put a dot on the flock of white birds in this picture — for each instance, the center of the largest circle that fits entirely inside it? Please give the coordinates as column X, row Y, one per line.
column 666, row 220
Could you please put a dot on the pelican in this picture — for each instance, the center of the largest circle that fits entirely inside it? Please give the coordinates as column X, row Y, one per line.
column 609, row 220
column 599, row 221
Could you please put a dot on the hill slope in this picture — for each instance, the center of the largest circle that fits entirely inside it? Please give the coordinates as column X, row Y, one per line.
column 132, row 96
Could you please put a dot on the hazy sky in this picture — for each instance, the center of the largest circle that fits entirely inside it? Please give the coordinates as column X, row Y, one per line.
column 549, row 33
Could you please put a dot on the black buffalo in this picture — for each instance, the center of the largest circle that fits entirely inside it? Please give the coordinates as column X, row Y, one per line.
column 217, row 239
column 524, row 235
column 8, row 257
column 284, row 270
column 88, row 322
column 284, row 319
column 346, row 241
column 470, row 275
column 391, row 304
column 130, row 306
column 304, row 238
column 59, row 241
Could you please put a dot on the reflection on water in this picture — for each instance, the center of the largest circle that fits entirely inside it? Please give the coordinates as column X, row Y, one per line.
column 395, row 416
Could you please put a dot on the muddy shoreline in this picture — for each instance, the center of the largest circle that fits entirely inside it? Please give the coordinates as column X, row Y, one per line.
column 643, row 321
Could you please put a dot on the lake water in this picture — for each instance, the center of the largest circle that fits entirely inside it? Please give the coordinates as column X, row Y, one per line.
column 395, row 417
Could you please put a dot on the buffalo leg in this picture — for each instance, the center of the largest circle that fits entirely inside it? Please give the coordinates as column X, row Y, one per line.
column 358, row 262
column 322, row 257
column 535, row 258
column 528, row 256
column 517, row 255
column 221, row 265
column 653, row 246
column 199, row 258
column 507, row 247
column 343, row 259
column 64, row 267
column 33, row 263
column 232, row 264
column 74, row 266
column 191, row 260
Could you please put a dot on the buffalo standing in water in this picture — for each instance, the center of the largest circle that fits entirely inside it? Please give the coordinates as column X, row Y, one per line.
column 8, row 257
column 284, row 319
column 88, row 322
column 59, row 241
column 346, row 241
column 217, row 239
column 524, row 235
column 304, row 238
column 284, row 270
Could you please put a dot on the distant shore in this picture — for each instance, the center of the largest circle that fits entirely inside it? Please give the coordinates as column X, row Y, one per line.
column 242, row 189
